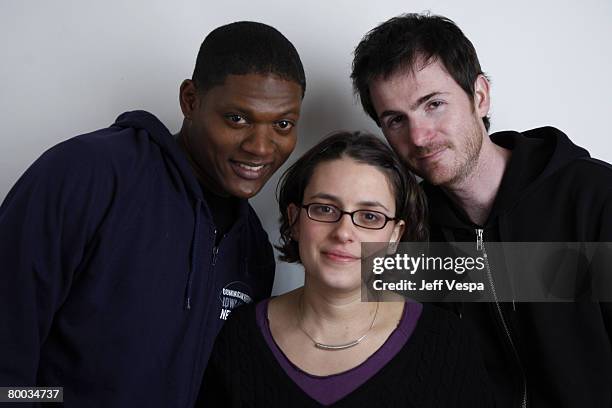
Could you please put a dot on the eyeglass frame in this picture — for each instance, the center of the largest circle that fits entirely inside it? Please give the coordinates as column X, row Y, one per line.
column 351, row 213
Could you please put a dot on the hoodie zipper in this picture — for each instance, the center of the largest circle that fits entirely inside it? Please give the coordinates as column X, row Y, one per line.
column 215, row 250
column 480, row 246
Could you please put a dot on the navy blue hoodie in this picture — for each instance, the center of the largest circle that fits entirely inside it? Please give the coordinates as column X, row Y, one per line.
column 110, row 282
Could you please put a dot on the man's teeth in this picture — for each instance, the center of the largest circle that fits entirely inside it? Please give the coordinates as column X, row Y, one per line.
column 249, row 167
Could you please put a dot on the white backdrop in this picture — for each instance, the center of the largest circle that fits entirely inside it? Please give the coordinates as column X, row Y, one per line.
column 69, row 67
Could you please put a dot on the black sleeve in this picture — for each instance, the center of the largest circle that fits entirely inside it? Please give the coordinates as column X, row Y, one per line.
column 215, row 385
column 475, row 387
column 464, row 382
column 46, row 222
column 605, row 236
column 221, row 382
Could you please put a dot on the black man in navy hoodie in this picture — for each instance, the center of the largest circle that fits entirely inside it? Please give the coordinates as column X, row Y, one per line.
column 122, row 251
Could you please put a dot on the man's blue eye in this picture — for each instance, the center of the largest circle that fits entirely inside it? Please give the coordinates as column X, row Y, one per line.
column 435, row 104
column 395, row 121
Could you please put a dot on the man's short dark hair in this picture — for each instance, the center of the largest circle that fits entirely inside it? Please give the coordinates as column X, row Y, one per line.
column 410, row 202
column 404, row 41
column 246, row 47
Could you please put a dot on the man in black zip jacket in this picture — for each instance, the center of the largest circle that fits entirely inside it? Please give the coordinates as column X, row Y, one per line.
column 419, row 78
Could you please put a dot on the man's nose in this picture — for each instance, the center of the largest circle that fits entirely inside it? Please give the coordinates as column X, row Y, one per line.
column 421, row 132
column 259, row 141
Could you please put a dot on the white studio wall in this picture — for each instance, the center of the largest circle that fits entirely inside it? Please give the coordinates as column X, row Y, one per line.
column 69, row 67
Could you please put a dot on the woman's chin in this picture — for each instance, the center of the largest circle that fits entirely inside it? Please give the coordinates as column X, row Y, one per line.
column 337, row 280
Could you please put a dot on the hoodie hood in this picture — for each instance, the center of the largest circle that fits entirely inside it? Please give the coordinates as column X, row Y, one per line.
column 537, row 154
column 161, row 136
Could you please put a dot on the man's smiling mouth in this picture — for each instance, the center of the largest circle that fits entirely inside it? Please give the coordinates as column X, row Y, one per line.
column 249, row 170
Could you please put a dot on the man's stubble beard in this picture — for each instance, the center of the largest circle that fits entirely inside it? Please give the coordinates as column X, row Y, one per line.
column 465, row 160
column 470, row 156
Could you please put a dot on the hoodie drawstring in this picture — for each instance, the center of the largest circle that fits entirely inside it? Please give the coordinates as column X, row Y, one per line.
column 194, row 252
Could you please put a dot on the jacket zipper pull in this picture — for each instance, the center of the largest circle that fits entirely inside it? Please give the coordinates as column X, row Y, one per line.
column 215, row 249
column 479, row 239
column 215, row 252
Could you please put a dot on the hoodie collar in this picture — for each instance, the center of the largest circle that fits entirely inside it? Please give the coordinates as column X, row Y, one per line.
column 160, row 135
column 536, row 155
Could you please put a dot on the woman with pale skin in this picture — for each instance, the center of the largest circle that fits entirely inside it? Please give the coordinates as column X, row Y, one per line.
column 321, row 345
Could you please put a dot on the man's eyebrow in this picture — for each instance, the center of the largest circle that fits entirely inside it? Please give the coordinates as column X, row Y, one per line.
column 414, row 106
column 425, row 98
column 388, row 113
column 335, row 199
column 291, row 111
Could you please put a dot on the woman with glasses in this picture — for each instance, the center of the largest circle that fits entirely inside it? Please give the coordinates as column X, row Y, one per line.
column 321, row 345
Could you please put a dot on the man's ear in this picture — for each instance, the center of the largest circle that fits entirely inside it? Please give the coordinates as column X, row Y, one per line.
column 396, row 235
column 188, row 98
column 482, row 97
column 293, row 212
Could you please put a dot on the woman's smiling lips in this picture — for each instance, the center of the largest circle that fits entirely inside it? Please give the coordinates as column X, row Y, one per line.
column 340, row 256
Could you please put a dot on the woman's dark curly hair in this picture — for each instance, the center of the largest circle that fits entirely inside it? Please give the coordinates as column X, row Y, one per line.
column 410, row 204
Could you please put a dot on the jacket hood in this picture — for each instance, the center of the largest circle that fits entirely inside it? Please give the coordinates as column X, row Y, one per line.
column 537, row 154
column 160, row 135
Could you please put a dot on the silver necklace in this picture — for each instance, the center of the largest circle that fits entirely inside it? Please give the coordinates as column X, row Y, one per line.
column 324, row 346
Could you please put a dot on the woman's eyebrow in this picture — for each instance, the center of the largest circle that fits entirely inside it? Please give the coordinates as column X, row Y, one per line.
column 372, row 204
column 334, row 198
column 325, row 196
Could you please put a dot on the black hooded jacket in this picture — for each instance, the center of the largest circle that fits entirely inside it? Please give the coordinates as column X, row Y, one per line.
column 541, row 354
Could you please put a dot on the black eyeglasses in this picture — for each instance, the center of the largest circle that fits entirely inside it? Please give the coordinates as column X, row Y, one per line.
column 362, row 218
